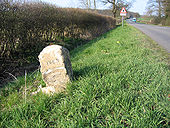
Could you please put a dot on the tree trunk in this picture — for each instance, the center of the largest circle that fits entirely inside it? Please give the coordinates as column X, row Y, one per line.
column 95, row 5
column 114, row 8
column 89, row 4
column 159, row 9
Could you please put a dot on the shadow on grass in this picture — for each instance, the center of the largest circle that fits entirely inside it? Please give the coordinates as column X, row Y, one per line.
column 98, row 69
column 82, row 72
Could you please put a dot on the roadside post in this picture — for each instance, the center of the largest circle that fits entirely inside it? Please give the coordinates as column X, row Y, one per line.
column 123, row 13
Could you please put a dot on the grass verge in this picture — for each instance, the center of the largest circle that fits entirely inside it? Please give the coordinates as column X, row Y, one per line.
column 120, row 80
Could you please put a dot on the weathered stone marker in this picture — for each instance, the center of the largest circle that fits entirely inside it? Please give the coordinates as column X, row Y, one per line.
column 56, row 68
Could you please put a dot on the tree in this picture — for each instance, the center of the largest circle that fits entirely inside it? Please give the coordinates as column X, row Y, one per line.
column 160, row 10
column 94, row 4
column 88, row 3
column 166, row 5
column 155, row 7
column 116, row 5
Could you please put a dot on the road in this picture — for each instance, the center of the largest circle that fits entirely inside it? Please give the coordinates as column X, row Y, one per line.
column 159, row 34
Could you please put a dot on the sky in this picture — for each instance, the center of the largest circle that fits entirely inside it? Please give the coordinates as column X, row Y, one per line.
column 138, row 6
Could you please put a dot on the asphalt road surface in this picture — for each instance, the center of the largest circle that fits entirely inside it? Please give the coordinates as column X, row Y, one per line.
column 159, row 34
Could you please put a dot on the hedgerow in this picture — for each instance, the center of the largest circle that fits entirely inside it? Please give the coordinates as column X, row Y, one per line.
column 26, row 28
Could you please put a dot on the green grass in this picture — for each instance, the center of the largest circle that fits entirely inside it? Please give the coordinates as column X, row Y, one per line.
column 144, row 20
column 148, row 20
column 121, row 79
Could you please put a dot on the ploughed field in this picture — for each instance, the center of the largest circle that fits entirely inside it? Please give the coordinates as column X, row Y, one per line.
column 120, row 80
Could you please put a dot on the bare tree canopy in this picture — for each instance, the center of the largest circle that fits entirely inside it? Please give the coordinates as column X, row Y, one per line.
column 160, row 10
column 155, row 7
column 118, row 4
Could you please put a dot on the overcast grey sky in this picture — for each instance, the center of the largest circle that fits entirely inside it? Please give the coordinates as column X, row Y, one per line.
column 139, row 5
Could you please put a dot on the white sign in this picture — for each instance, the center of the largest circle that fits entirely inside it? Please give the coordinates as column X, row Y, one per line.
column 123, row 12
